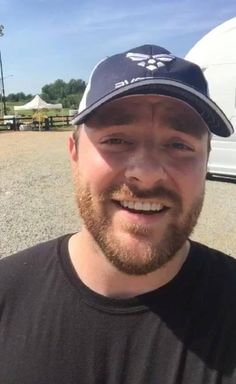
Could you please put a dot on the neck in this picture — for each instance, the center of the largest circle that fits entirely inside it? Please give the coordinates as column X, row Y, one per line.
column 95, row 271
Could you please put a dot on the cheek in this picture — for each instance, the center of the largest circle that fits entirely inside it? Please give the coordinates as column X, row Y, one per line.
column 189, row 176
column 96, row 170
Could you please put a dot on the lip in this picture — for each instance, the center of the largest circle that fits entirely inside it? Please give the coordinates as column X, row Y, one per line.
column 140, row 218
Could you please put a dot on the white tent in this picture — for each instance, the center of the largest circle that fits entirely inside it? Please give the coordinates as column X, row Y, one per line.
column 37, row 103
column 215, row 53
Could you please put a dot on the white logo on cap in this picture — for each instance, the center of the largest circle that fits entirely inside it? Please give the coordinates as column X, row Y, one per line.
column 151, row 62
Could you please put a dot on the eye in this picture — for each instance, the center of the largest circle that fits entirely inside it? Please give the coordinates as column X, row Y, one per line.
column 180, row 146
column 115, row 141
column 115, row 144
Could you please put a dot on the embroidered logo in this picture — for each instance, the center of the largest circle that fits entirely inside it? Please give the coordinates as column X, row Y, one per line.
column 151, row 62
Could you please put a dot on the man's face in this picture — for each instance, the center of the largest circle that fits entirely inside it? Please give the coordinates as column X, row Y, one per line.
column 139, row 173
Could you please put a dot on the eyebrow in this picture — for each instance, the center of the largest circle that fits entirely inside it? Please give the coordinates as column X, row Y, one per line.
column 105, row 120
column 194, row 127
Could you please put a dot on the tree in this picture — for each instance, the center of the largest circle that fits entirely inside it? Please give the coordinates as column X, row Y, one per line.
column 75, row 86
column 20, row 96
column 71, row 101
column 69, row 94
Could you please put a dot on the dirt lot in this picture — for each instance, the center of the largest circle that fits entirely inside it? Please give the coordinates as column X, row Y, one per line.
column 36, row 195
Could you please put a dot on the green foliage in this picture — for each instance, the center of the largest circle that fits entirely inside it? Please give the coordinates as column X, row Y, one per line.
column 70, row 101
column 55, row 90
column 20, row 96
column 69, row 94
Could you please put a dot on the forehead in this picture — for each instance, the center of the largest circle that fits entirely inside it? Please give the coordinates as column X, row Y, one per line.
column 135, row 109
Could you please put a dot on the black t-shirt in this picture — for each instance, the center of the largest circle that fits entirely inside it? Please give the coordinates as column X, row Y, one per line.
column 55, row 330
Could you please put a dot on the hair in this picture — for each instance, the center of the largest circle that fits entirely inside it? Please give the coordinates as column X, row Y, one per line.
column 75, row 134
column 209, row 142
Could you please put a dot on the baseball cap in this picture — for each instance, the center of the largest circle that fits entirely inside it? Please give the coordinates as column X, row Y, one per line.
column 150, row 69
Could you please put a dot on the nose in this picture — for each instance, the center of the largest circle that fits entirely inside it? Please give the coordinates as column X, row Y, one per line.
column 146, row 168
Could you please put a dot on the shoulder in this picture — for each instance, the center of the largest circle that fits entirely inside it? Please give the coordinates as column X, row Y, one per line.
column 30, row 255
column 28, row 265
column 214, row 257
column 217, row 272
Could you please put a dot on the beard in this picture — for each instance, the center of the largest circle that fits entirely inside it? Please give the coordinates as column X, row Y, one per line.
column 147, row 256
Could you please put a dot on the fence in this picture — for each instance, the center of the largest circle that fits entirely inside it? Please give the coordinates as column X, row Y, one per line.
column 50, row 122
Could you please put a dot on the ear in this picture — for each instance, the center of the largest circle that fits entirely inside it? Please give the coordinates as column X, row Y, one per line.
column 73, row 151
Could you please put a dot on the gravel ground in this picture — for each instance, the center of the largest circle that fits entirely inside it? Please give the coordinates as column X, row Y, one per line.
column 37, row 203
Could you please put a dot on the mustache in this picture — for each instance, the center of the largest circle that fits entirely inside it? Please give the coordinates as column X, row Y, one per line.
column 159, row 192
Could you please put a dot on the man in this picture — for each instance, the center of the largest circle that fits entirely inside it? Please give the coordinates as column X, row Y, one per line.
column 128, row 299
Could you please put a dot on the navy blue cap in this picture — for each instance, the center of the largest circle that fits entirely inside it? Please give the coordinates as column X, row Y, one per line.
column 150, row 69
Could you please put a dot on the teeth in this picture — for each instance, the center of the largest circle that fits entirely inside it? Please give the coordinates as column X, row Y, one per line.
column 130, row 204
column 156, row 207
column 139, row 206
column 146, row 206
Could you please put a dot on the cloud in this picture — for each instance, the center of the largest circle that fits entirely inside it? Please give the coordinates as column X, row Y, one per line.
column 81, row 32
column 165, row 18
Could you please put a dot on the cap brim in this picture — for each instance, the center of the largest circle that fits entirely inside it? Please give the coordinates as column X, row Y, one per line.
column 214, row 117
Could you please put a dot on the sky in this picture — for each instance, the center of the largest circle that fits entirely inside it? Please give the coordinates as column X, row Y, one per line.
column 46, row 40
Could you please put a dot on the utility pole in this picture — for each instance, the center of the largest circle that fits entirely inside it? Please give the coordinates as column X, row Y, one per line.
column 2, row 78
column 3, row 88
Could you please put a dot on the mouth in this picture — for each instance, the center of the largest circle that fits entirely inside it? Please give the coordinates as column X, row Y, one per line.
column 141, row 207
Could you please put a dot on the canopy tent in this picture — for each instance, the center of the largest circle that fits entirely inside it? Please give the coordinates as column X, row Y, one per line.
column 37, row 103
